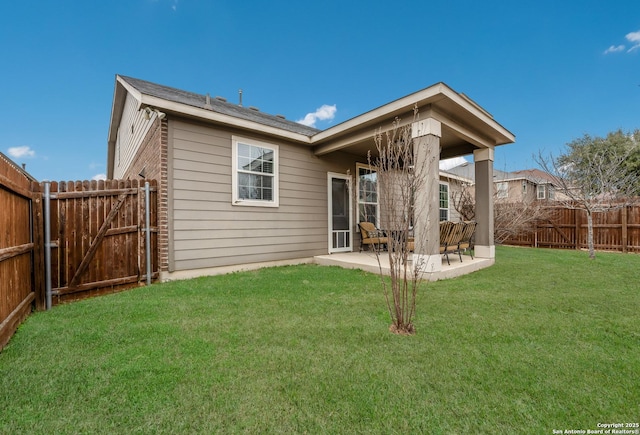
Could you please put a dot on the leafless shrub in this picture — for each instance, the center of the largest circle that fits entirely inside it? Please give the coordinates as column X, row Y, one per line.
column 400, row 175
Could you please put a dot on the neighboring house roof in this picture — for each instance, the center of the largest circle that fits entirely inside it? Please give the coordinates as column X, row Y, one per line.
column 468, row 171
column 535, row 176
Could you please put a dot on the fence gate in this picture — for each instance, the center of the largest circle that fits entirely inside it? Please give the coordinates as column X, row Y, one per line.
column 97, row 237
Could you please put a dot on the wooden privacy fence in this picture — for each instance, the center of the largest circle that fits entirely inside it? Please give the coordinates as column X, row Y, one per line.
column 20, row 252
column 566, row 228
column 97, row 241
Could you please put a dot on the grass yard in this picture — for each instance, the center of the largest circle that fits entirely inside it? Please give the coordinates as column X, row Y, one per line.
column 543, row 340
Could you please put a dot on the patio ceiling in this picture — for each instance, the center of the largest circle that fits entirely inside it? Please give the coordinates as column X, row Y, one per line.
column 465, row 125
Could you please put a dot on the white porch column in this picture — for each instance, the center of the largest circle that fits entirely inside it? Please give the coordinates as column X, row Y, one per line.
column 484, row 244
column 426, row 136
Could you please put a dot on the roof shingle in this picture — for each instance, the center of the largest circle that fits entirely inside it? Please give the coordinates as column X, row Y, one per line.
column 218, row 106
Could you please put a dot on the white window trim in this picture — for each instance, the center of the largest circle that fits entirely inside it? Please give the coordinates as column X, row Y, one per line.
column 235, row 140
column 448, row 208
column 541, row 189
column 369, row 168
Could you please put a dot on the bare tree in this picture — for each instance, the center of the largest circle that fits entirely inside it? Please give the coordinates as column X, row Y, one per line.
column 593, row 175
column 400, row 175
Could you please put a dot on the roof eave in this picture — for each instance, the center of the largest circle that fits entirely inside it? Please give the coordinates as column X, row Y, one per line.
column 219, row 118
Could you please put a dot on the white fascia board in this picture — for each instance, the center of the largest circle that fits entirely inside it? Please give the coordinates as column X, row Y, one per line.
column 379, row 113
column 170, row 106
column 133, row 91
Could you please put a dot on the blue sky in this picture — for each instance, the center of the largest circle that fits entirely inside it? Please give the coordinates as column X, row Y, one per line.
column 549, row 71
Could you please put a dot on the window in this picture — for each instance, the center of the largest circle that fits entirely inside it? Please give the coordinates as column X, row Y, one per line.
column 444, row 202
column 503, row 190
column 540, row 191
column 255, row 173
column 367, row 195
column 524, row 187
column 551, row 192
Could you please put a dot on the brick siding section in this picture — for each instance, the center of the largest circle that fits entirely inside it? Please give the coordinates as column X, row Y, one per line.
column 152, row 157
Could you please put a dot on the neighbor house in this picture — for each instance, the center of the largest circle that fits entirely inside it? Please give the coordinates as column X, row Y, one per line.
column 241, row 187
column 529, row 185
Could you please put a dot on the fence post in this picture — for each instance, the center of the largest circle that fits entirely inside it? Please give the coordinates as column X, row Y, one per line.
column 47, row 243
column 624, row 211
column 37, row 227
column 577, row 229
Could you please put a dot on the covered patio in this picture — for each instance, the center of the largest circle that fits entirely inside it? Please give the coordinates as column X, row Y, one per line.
column 448, row 124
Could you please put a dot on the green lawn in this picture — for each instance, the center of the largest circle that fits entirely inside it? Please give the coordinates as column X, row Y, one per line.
column 543, row 340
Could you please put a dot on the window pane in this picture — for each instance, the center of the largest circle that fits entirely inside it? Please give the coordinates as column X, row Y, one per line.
column 256, row 152
column 267, row 167
column 444, row 196
column 368, row 185
column 267, row 182
column 244, row 150
column 368, row 213
column 267, row 194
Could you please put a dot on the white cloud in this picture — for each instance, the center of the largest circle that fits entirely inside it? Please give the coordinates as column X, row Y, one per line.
column 23, row 151
column 614, row 49
column 323, row 113
column 633, row 38
column 452, row 163
column 99, row 177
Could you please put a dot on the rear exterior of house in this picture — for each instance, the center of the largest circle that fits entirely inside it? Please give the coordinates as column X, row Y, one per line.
column 239, row 187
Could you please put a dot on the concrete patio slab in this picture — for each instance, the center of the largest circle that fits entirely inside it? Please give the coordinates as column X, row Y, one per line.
column 368, row 262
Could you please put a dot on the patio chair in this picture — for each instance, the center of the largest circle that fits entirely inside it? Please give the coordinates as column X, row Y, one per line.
column 451, row 234
column 371, row 236
column 466, row 239
column 445, row 229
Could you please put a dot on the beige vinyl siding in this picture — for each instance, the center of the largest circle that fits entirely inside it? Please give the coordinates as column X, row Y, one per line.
column 131, row 133
column 208, row 231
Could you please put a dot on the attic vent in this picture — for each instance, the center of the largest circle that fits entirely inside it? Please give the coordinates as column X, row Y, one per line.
column 280, row 116
column 223, row 99
column 254, row 108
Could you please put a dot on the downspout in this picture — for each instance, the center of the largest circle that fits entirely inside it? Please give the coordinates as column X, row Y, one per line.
column 147, row 230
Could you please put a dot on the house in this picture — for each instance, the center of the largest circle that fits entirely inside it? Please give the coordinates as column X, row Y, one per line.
column 239, row 186
column 527, row 185
column 534, row 185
